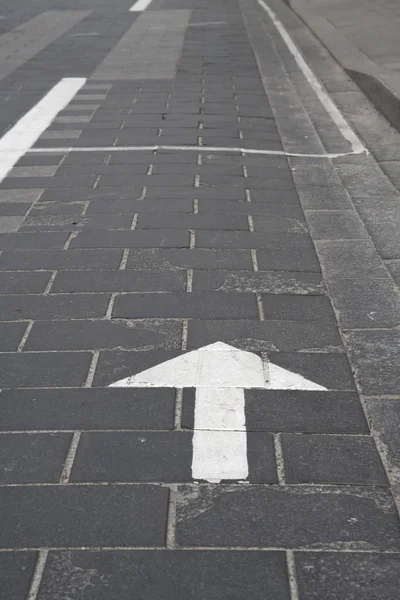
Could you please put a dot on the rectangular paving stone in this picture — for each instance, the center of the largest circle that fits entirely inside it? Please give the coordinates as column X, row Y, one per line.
column 13, row 209
column 375, row 357
column 336, row 575
column 10, row 334
column 215, row 575
column 18, row 195
column 88, row 408
column 346, row 258
column 196, row 305
column 335, row 225
column 182, row 205
column 194, row 221
column 34, row 306
column 336, row 459
column 290, row 259
column 41, row 209
column 44, row 369
column 61, row 259
column 184, row 258
column 265, row 336
column 71, row 223
column 299, row 411
column 119, row 281
column 324, row 197
column 282, row 517
column 27, row 183
column 160, row 238
column 73, row 516
column 34, row 241
column 285, row 307
column 23, row 282
column 271, row 282
column 325, row 368
column 369, row 303
column 270, row 224
column 105, row 334
column 249, row 239
column 16, row 571
column 33, row 457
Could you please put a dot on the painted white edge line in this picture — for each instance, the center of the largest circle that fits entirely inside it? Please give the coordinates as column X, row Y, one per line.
column 63, row 150
column 19, row 139
column 140, row 5
column 330, row 107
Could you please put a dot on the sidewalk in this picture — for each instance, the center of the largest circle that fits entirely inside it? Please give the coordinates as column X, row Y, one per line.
column 363, row 36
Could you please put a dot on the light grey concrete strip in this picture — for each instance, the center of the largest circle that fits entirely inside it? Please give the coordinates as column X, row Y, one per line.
column 149, row 50
column 24, row 42
column 380, row 84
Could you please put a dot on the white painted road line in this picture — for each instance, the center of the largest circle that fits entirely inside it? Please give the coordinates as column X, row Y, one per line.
column 323, row 96
column 16, row 142
column 140, row 5
column 220, row 373
column 64, row 150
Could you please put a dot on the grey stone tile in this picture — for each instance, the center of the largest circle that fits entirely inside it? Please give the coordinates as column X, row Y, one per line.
column 327, row 369
column 33, row 457
column 353, row 259
column 374, row 357
column 18, row 195
column 282, row 517
column 336, row 459
column 182, row 205
column 217, row 575
column 368, row 303
column 248, row 239
column 57, row 208
column 34, row 170
column 271, row 282
column 44, row 369
column 195, row 305
column 71, row 223
column 83, row 516
column 288, row 259
column 35, row 306
column 23, row 282
column 324, row 198
column 160, row 238
column 285, row 307
column 105, row 334
column 192, row 221
column 34, row 241
column 256, row 336
column 119, row 281
column 88, row 408
column 61, row 259
column 298, row 411
column 184, row 258
column 8, row 209
column 335, row 575
column 335, row 225
column 16, row 571
column 271, row 224
column 10, row 335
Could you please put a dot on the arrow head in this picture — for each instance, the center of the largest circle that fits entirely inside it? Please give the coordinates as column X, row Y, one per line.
column 218, row 366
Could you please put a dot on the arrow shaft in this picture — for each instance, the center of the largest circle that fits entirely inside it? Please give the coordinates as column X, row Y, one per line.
column 219, row 439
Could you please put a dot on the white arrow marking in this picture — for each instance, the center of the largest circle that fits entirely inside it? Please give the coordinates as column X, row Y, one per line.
column 220, row 374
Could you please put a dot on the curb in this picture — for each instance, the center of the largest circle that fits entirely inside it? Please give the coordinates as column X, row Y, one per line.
column 379, row 84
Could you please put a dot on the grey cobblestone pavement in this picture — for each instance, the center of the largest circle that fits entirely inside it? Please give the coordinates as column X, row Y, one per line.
column 194, row 191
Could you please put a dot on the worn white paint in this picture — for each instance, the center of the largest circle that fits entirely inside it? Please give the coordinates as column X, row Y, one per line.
column 229, row 150
column 330, row 107
column 219, row 439
column 140, row 5
column 15, row 143
column 220, row 373
column 282, row 379
column 215, row 366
